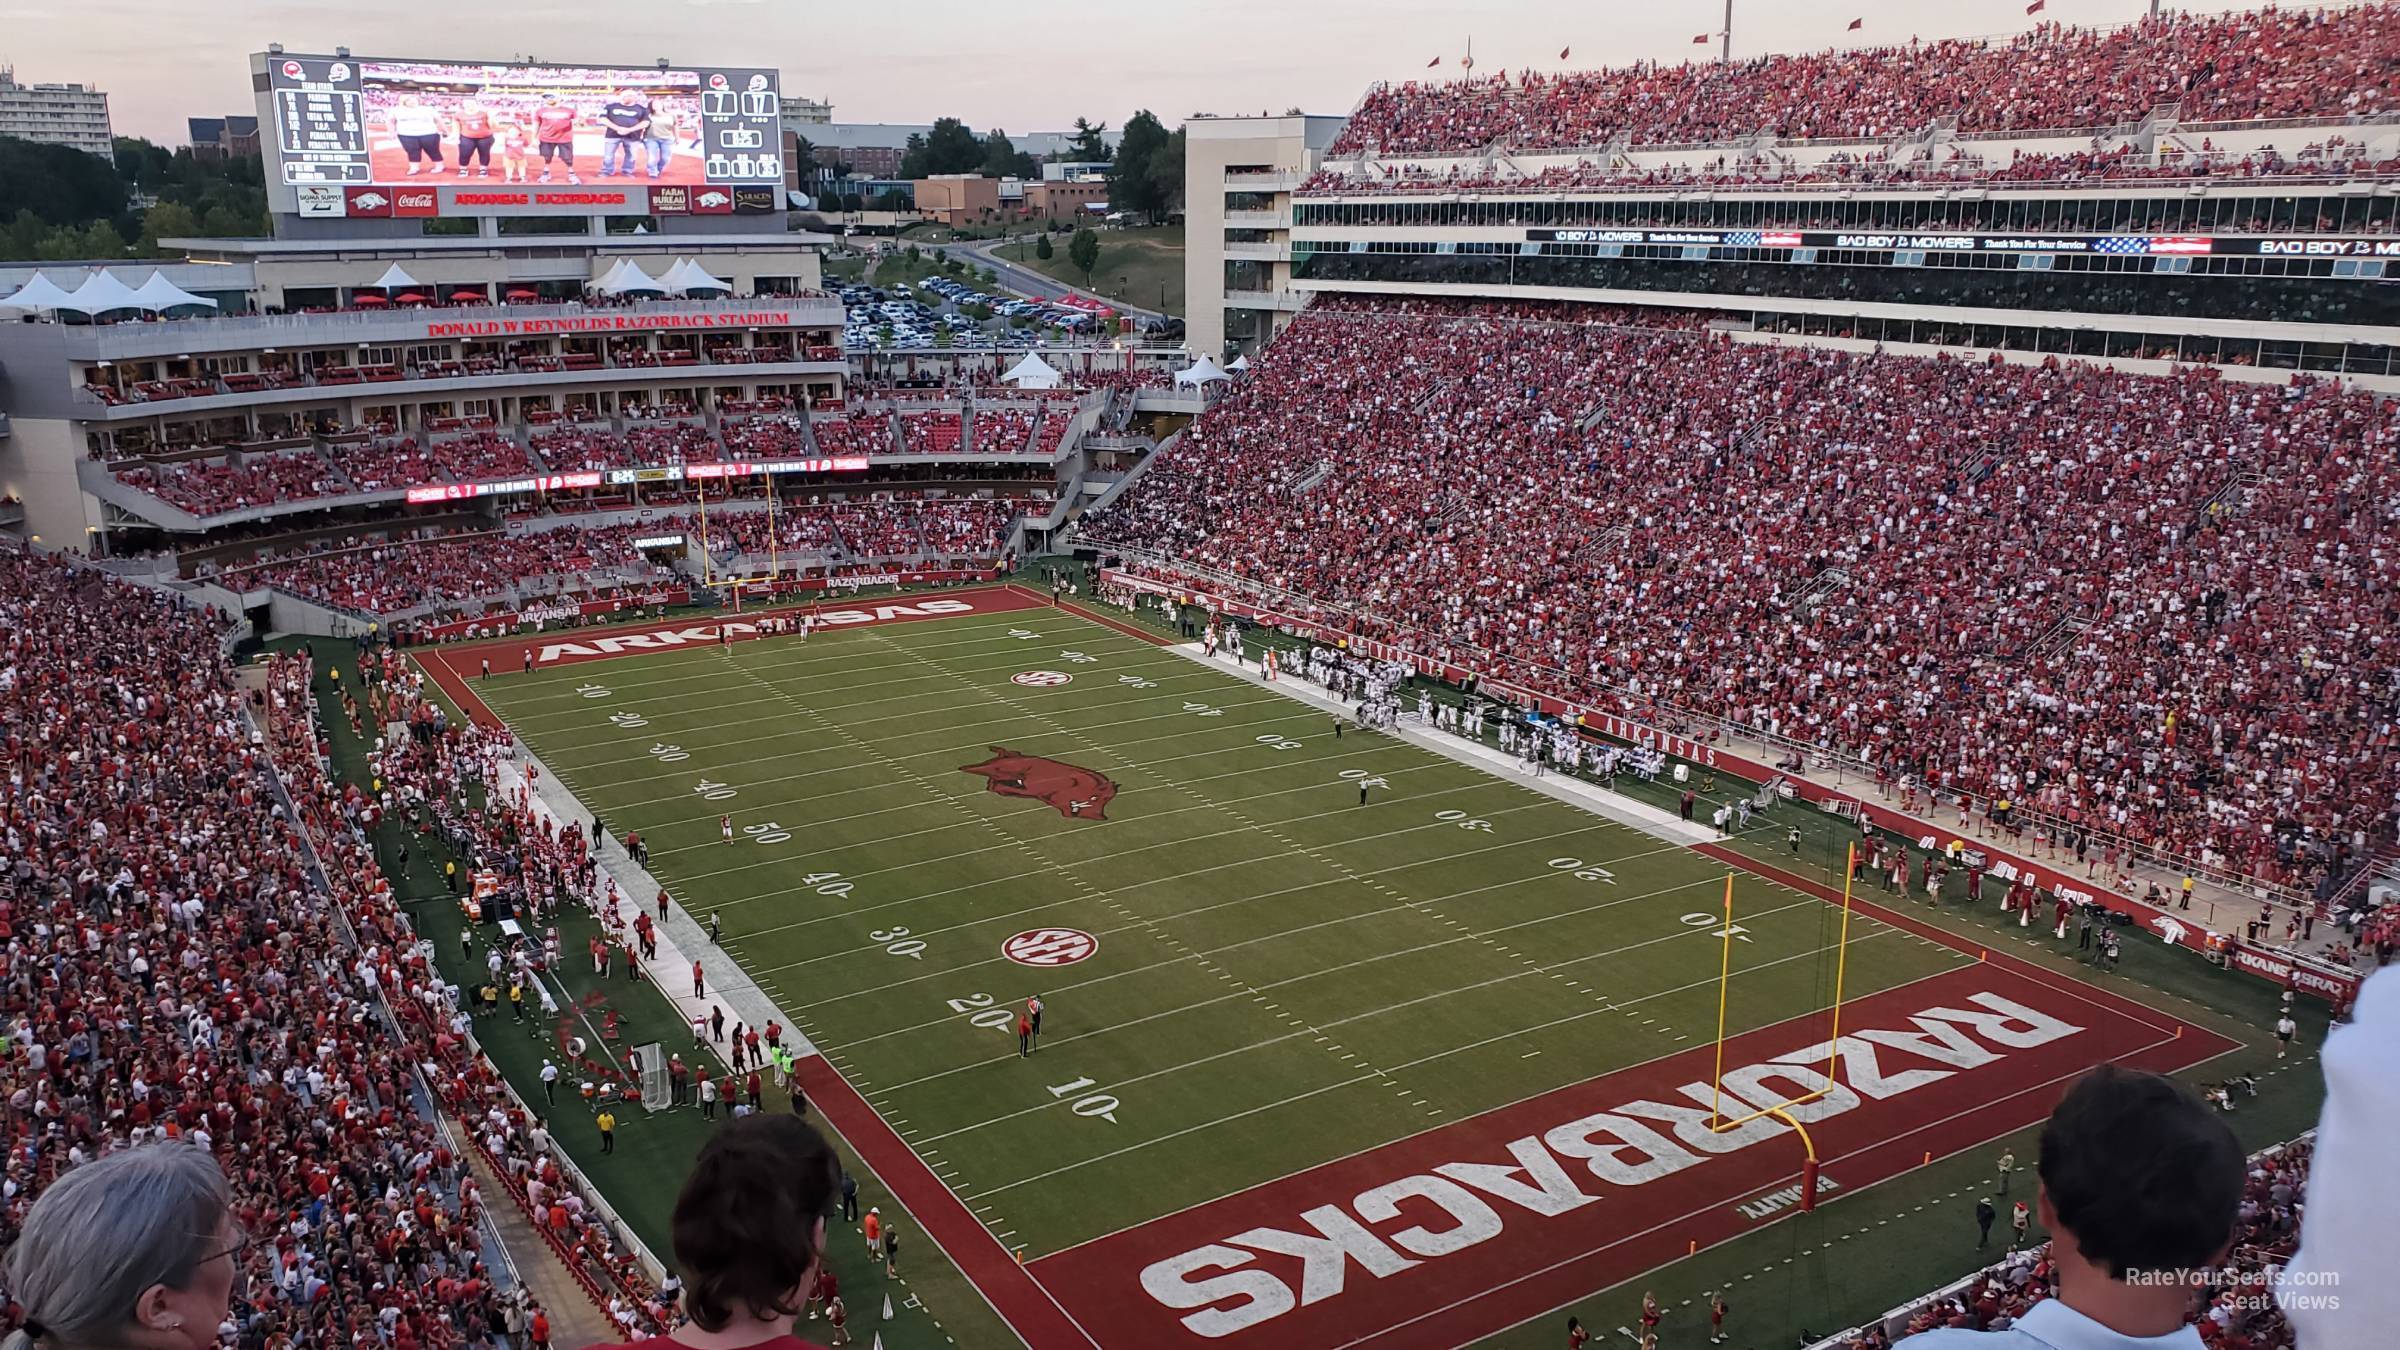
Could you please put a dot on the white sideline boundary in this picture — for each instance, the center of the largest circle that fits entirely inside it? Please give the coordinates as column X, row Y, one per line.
column 1475, row 754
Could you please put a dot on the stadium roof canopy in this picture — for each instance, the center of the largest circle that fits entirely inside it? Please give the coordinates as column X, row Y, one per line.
column 687, row 276
column 101, row 293
column 396, row 278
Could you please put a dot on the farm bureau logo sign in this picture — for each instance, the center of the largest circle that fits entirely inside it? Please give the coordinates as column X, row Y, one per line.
column 1451, row 1206
column 1076, row 793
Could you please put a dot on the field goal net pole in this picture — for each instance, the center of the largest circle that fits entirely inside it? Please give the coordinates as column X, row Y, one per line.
column 1782, row 1111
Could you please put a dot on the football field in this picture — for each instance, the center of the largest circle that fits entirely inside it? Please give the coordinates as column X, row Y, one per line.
column 1345, row 1041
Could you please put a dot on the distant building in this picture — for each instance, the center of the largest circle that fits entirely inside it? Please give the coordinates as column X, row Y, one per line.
column 958, row 198
column 1074, row 170
column 1063, row 199
column 55, row 114
column 223, row 137
column 806, row 111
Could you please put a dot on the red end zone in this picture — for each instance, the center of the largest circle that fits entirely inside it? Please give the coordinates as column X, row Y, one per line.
column 456, row 669
column 1446, row 1236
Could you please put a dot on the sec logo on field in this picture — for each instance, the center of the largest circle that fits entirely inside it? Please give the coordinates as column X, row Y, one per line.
column 1041, row 679
column 1050, row 947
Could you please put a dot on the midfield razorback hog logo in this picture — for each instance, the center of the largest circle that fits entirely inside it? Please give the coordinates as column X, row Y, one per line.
column 1077, row 793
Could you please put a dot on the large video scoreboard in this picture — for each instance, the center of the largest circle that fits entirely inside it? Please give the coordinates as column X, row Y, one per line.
column 373, row 137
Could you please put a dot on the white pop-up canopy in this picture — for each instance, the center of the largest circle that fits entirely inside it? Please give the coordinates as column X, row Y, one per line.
column 1200, row 372
column 687, row 276
column 101, row 293
column 38, row 296
column 395, row 279
column 609, row 277
column 160, row 295
column 1239, row 363
column 629, row 280
column 1033, row 373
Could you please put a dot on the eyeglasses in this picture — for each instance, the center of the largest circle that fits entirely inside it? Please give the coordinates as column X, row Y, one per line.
column 241, row 1243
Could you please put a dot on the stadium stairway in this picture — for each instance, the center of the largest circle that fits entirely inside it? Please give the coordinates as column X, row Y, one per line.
column 574, row 1318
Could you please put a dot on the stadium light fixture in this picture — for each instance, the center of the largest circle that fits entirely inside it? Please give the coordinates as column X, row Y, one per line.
column 341, row 51
column 274, row 49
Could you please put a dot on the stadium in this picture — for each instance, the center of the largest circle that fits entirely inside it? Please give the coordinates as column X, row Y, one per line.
column 1681, row 658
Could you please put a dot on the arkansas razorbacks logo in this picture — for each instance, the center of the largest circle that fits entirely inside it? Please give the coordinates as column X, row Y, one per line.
column 1077, row 793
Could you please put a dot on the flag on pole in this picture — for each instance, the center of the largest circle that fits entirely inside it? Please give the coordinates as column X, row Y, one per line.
column 2037, row 6
column 1856, row 24
column 1562, row 52
column 1432, row 63
column 1700, row 39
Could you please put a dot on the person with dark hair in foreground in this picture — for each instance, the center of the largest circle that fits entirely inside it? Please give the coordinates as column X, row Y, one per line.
column 2141, row 1185
column 749, row 1232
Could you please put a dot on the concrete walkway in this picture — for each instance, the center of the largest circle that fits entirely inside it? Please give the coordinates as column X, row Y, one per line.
column 574, row 1318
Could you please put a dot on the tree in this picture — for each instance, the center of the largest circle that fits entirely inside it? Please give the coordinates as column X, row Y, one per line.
column 61, row 185
column 1089, row 145
column 1002, row 159
column 1165, row 172
column 1133, row 179
column 891, row 199
column 949, row 148
column 1042, row 249
column 1084, row 251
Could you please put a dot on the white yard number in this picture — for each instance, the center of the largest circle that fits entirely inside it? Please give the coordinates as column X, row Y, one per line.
column 591, row 691
column 1278, row 742
column 714, row 792
column 1077, row 658
column 1203, row 710
column 981, row 1012
column 627, row 720
column 1710, row 921
column 899, row 943
column 828, row 883
column 1584, row 871
column 669, row 754
column 1463, row 821
column 1136, row 682
column 1023, row 634
column 768, row 833
column 1363, row 778
column 1097, row 1105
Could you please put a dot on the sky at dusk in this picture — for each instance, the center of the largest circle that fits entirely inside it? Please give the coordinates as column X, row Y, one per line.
column 1018, row 66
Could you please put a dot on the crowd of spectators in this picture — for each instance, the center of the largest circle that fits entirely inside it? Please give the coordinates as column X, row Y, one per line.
column 174, row 972
column 2148, row 607
column 931, row 431
column 887, row 525
column 2234, row 1310
column 2334, row 158
column 213, row 486
column 1003, row 430
column 2243, row 65
column 454, row 570
column 854, row 433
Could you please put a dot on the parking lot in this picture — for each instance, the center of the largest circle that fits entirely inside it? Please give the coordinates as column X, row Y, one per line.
column 946, row 312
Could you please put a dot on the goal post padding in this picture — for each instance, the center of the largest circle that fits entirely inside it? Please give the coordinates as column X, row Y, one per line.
column 653, row 1058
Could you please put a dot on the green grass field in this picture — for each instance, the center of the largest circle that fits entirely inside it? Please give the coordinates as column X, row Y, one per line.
column 1135, row 264
column 1283, row 975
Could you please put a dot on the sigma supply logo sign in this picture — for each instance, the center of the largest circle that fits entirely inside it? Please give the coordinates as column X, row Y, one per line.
column 1041, row 679
column 322, row 200
column 670, row 201
column 415, row 202
column 1074, row 792
column 751, row 201
column 367, row 203
column 1047, row 947
column 713, row 201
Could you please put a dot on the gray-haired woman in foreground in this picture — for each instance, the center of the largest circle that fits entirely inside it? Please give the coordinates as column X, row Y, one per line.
column 136, row 1251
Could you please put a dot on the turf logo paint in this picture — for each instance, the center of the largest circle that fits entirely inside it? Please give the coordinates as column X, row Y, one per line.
column 1077, row 793
column 1041, row 679
column 663, row 639
column 1386, row 1230
column 1050, row 947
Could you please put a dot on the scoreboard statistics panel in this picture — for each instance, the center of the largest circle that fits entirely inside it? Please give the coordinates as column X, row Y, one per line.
column 462, row 137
